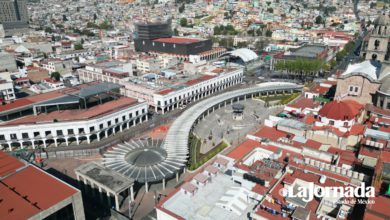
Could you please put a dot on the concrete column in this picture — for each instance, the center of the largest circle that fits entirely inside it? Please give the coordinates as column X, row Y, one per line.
column 163, row 184
column 109, row 199
column 55, row 142
column 117, row 202
column 146, row 187
column 113, row 130
column 100, row 194
column 9, row 145
column 21, row 144
column 66, row 142
column 77, row 140
column 120, row 128
column 177, row 177
column 44, row 143
column 88, row 139
column 33, row 144
column 98, row 136
column 106, row 133
column 132, row 193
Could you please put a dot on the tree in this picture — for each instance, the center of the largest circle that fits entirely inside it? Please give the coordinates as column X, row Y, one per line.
column 319, row 19
column 78, row 47
column 56, row 76
column 64, row 18
column 48, row 30
column 183, row 22
column 182, row 8
column 270, row 10
column 268, row 33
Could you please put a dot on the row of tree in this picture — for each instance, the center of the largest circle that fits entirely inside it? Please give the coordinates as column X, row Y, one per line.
column 225, row 30
column 301, row 67
column 347, row 49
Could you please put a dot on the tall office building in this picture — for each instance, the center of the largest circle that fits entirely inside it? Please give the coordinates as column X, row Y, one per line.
column 13, row 14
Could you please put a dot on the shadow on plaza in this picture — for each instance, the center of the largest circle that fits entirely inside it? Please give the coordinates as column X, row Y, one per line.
column 93, row 208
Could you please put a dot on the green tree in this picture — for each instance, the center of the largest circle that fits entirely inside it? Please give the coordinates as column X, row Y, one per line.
column 48, row 30
column 183, row 22
column 319, row 19
column 270, row 10
column 268, row 33
column 78, row 47
column 56, row 76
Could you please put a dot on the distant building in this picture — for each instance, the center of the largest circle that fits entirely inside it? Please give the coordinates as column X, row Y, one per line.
column 28, row 192
column 156, row 38
column 7, row 62
column 377, row 45
column 13, row 14
column 7, row 93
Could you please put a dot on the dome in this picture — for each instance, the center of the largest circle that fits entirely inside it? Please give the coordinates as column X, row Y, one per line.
column 341, row 110
column 385, row 87
column 382, row 20
column 245, row 54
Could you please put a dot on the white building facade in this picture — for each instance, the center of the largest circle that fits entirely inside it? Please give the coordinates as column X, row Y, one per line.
column 53, row 132
column 177, row 98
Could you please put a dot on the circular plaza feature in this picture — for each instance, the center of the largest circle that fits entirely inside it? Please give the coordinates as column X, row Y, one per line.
column 143, row 157
column 144, row 160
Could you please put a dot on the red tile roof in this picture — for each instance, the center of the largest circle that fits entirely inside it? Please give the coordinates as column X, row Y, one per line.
column 74, row 115
column 357, row 129
column 165, row 91
column 379, row 208
column 28, row 190
column 320, row 90
column 198, row 80
column 243, row 149
column 14, row 207
column 341, row 110
column 16, row 104
column 176, row 40
column 271, row 133
column 9, row 164
column 41, row 188
column 304, row 103
column 310, row 119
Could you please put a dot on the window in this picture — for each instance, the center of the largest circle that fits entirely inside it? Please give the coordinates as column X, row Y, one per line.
column 116, row 120
column 13, row 136
column 91, row 129
column 81, row 130
column 101, row 126
column 109, row 123
column 124, row 118
column 351, row 88
column 376, row 44
column 130, row 115
column 345, row 124
column 2, row 137
column 136, row 113
column 47, row 133
column 59, row 133
column 70, row 131
column 356, row 89
column 331, row 122
column 24, row 135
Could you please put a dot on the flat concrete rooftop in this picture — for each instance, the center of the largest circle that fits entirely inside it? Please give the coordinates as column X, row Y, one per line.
column 105, row 176
column 202, row 205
